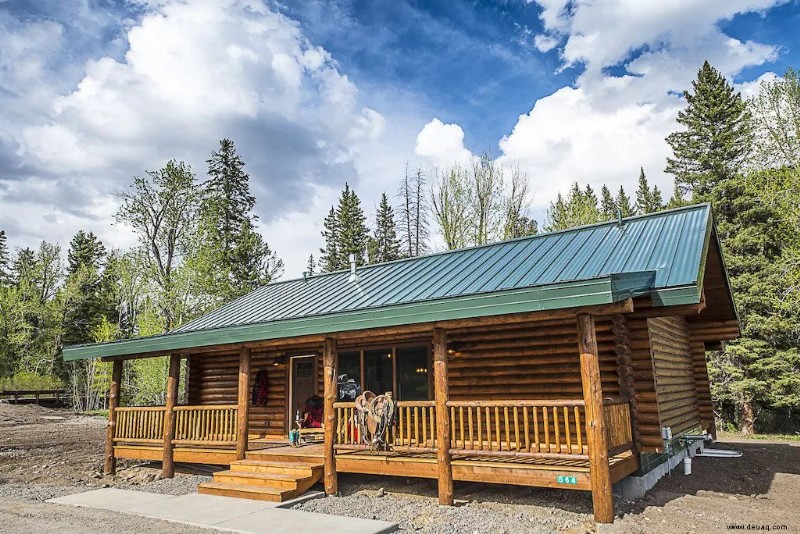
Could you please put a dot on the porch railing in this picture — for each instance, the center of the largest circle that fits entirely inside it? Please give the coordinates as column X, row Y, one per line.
column 210, row 425
column 205, row 425
column 414, row 428
column 553, row 428
column 619, row 433
column 140, row 424
column 516, row 428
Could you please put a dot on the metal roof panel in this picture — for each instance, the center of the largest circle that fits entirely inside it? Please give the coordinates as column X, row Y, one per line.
column 668, row 245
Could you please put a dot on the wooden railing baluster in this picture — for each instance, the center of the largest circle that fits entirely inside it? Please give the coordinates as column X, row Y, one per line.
column 546, row 428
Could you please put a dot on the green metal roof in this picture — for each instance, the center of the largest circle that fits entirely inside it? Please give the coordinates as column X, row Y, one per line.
column 661, row 255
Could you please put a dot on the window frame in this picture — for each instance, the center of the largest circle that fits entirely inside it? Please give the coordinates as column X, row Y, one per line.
column 393, row 347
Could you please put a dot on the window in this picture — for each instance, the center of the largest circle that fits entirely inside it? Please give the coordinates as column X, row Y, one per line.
column 350, row 365
column 378, row 375
column 412, row 373
column 349, row 375
column 401, row 370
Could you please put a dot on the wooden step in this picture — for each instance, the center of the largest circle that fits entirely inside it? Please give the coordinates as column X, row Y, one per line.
column 275, row 480
column 244, row 491
column 309, row 458
column 298, row 469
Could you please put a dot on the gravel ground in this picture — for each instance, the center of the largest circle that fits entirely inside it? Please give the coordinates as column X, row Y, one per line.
column 412, row 503
column 761, row 489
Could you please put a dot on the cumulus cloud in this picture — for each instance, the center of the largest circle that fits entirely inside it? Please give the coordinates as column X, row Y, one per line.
column 608, row 123
column 441, row 144
column 192, row 73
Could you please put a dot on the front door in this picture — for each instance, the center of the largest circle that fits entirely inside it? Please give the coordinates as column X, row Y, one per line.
column 303, row 384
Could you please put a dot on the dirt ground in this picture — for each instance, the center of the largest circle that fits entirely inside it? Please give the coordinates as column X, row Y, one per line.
column 46, row 453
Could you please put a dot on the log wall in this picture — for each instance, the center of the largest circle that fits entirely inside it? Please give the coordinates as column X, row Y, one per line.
column 673, row 366
column 534, row 361
column 703, row 386
column 646, row 404
column 213, row 379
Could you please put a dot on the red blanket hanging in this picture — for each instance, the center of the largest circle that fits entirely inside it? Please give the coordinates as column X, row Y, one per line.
column 260, row 389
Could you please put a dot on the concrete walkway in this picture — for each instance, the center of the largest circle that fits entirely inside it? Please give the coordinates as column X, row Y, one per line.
column 224, row 513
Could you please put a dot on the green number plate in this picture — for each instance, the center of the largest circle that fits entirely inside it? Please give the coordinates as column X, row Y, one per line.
column 566, row 480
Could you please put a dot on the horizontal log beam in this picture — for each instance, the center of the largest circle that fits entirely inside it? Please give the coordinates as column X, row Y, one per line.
column 625, row 306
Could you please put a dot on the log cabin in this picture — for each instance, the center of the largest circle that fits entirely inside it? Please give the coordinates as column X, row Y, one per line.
column 571, row 359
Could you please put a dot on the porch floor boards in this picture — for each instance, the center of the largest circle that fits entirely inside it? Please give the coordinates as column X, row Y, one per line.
column 542, row 472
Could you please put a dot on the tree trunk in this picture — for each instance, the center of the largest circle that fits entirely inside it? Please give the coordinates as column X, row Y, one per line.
column 748, row 416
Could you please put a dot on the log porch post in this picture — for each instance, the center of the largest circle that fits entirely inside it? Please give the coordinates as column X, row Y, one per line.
column 599, row 474
column 243, row 407
column 329, row 361
column 168, row 464
column 441, row 394
column 110, row 466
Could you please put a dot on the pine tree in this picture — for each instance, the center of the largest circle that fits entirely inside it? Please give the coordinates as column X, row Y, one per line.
column 590, row 198
column 5, row 273
column 331, row 258
column 227, row 197
column 579, row 208
column 387, row 246
column 716, row 136
column 761, row 370
column 677, row 200
column 352, row 231
column 657, row 199
column 232, row 257
column 608, row 206
column 311, row 266
column 647, row 200
column 86, row 303
column 623, row 202
column 86, row 250
column 345, row 232
column 253, row 262
column 24, row 265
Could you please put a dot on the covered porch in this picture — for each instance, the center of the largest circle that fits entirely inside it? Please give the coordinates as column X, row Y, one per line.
column 464, row 434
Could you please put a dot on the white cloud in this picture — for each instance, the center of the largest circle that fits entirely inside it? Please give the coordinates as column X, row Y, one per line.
column 194, row 72
column 544, row 42
column 604, row 127
column 603, row 33
column 441, row 144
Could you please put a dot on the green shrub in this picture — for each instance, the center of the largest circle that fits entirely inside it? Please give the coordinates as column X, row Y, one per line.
column 24, row 380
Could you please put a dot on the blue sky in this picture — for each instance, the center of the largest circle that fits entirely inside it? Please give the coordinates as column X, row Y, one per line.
column 472, row 63
column 317, row 92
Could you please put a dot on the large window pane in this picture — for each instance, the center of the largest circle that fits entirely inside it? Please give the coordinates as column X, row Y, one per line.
column 349, row 375
column 378, row 371
column 412, row 373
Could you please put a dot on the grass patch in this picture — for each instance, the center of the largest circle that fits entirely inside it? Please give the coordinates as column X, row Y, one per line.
column 760, row 437
column 103, row 413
